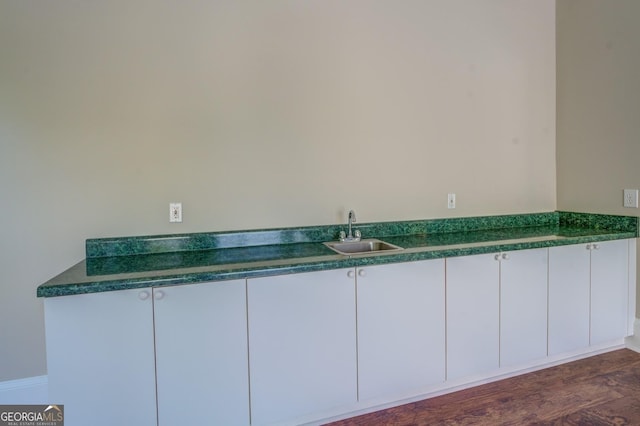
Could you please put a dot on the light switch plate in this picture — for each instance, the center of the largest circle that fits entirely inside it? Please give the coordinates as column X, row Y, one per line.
column 630, row 198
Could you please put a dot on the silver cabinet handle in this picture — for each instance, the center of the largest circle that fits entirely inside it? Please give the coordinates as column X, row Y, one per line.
column 505, row 256
column 362, row 273
column 144, row 295
column 158, row 294
column 351, row 274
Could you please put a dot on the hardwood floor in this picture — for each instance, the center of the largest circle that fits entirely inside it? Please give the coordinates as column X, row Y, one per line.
column 600, row 390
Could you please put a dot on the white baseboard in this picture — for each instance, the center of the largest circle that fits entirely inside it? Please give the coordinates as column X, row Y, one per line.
column 633, row 342
column 30, row 390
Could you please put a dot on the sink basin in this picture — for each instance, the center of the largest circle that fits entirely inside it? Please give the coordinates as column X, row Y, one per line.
column 370, row 245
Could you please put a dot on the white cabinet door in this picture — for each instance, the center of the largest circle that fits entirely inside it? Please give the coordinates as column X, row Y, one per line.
column 609, row 290
column 588, row 294
column 100, row 357
column 401, row 330
column 302, row 344
column 523, row 306
column 201, row 353
column 569, row 297
column 473, row 310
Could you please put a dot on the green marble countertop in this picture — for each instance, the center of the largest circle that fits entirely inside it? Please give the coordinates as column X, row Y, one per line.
column 155, row 261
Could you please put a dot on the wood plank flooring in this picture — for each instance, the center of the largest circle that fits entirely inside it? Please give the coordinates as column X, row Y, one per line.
column 600, row 390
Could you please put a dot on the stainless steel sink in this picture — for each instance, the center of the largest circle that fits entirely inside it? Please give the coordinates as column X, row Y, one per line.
column 370, row 245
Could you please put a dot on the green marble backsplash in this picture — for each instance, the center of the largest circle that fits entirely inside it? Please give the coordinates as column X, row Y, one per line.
column 156, row 244
column 599, row 221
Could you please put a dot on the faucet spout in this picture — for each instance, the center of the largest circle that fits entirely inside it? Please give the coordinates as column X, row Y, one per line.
column 350, row 236
column 352, row 219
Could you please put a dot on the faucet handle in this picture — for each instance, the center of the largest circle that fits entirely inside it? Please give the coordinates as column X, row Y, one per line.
column 357, row 234
column 342, row 236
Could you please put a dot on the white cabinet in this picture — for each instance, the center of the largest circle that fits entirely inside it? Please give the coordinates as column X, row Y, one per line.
column 523, row 306
column 588, row 295
column 302, row 345
column 609, row 291
column 100, row 357
column 473, row 315
column 568, row 298
column 401, row 328
column 101, row 353
column 496, row 311
column 201, row 353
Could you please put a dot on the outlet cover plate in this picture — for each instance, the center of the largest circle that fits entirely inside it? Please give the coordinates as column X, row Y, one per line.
column 630, row 198
column 451, row 200
column 175, row 212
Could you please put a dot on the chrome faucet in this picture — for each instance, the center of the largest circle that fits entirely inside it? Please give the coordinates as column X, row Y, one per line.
column 350, row 236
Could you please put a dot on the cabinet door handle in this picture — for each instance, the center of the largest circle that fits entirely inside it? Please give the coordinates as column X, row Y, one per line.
column 158, row 294
column 501, row 256
column 144, row 295
column 589, row 246
column 362, row 273
column 351, row 274
column 596, row 247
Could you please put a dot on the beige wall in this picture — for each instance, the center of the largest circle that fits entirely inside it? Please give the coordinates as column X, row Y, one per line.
column 258, row 114
column 598, row 103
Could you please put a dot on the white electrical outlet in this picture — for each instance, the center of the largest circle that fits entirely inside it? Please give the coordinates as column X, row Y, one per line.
column 451, row 201
column 175, row 212
column 630, row 198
